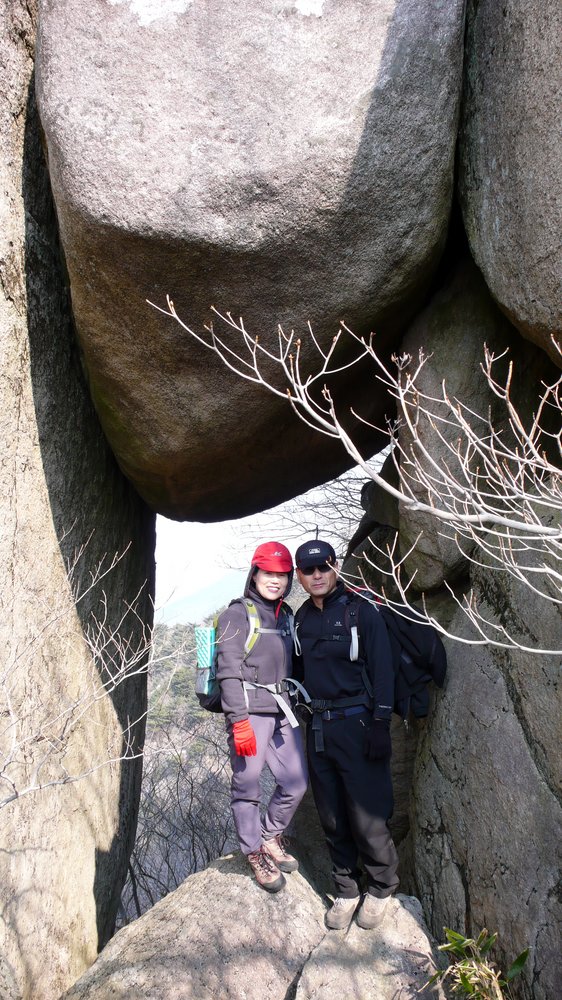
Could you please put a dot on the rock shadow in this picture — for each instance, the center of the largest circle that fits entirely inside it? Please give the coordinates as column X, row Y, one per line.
column 94, row 509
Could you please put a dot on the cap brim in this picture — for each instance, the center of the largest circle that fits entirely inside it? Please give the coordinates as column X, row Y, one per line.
column 307, row 563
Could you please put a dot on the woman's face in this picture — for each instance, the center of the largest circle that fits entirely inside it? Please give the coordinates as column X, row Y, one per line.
column 270, row 585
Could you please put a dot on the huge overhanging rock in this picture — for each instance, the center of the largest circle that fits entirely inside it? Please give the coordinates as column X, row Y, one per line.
column 220, row 935
column 288, row 162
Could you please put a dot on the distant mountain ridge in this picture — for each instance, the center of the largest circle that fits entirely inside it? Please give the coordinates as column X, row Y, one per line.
column 194, row 607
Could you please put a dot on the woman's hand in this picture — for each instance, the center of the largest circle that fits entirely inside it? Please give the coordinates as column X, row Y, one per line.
column 244, row 738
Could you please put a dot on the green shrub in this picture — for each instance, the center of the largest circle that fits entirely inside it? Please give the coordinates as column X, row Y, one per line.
column 471, row 972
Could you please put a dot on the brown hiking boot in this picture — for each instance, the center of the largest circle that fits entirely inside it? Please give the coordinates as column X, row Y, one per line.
column 276, row 850
column 266, row 871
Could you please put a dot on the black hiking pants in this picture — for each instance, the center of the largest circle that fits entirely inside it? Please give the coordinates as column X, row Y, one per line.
column 353, row 796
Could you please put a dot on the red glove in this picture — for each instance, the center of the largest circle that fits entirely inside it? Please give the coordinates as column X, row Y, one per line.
column 244, row 738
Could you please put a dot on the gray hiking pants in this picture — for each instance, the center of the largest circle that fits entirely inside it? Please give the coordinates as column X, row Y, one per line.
column 280, row 747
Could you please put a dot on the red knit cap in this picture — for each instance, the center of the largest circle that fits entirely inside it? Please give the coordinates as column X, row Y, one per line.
column 273, row 558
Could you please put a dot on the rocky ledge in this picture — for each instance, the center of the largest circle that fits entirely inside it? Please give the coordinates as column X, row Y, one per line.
column 220, row 935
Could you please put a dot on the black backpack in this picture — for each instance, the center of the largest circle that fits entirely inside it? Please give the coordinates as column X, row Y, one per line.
column 418, row 654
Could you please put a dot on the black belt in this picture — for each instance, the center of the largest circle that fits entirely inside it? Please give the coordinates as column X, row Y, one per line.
column 327, row 711
column 342, row 713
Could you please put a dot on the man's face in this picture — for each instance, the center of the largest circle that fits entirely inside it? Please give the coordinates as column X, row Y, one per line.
column 318, row 581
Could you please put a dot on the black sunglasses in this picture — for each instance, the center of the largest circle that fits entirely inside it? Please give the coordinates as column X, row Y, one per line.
column 323, row 568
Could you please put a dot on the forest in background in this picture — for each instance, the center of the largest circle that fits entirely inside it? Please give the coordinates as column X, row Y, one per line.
column 184, row 816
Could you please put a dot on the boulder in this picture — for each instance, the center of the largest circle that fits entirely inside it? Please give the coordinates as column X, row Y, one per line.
column 393, row 961
column 219, row 934
column 66, row 510
column 486, row 820
column 381, row 509
column 286, row 162
column 510, row 171
column 451, row 332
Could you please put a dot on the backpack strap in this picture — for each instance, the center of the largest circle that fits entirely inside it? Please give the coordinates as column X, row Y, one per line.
column 290, row 620
column 254, row 625
column 256, row 629
column 288, row 684
column 351, row 614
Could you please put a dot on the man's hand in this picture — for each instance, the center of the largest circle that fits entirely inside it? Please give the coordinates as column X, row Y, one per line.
column 377, row 744
column 244, row 738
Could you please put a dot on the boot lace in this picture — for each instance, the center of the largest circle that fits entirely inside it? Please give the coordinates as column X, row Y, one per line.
column 282, row 845
column 343, row 901
column 263, row 862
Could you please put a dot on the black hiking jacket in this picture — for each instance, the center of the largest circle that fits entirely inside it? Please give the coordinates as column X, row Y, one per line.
column 324, row 666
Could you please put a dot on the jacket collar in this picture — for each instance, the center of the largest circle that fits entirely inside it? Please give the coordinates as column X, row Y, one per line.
column 336, row 593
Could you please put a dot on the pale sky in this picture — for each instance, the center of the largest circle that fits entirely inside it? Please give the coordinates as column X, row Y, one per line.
column 191, row 557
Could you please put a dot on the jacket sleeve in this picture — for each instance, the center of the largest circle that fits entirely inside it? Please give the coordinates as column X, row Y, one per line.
column 378, row 655
column 232, row 630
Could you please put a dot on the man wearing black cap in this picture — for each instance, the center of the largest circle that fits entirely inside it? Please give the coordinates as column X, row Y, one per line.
column 345, row 662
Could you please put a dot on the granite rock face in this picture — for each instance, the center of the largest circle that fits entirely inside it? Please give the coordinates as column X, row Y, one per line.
column 66, row 507
column 393, row 961
column 451, row 333
column 510, row 176
column 486, row 817
column 287, row 162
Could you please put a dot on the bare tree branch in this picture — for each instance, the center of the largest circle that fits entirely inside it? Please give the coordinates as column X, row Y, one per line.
column 36, row 731
column 494, row 490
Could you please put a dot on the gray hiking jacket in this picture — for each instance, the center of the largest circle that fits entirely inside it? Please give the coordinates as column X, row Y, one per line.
column 268, row 662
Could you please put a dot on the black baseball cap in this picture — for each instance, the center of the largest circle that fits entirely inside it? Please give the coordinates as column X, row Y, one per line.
column 314, row 553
